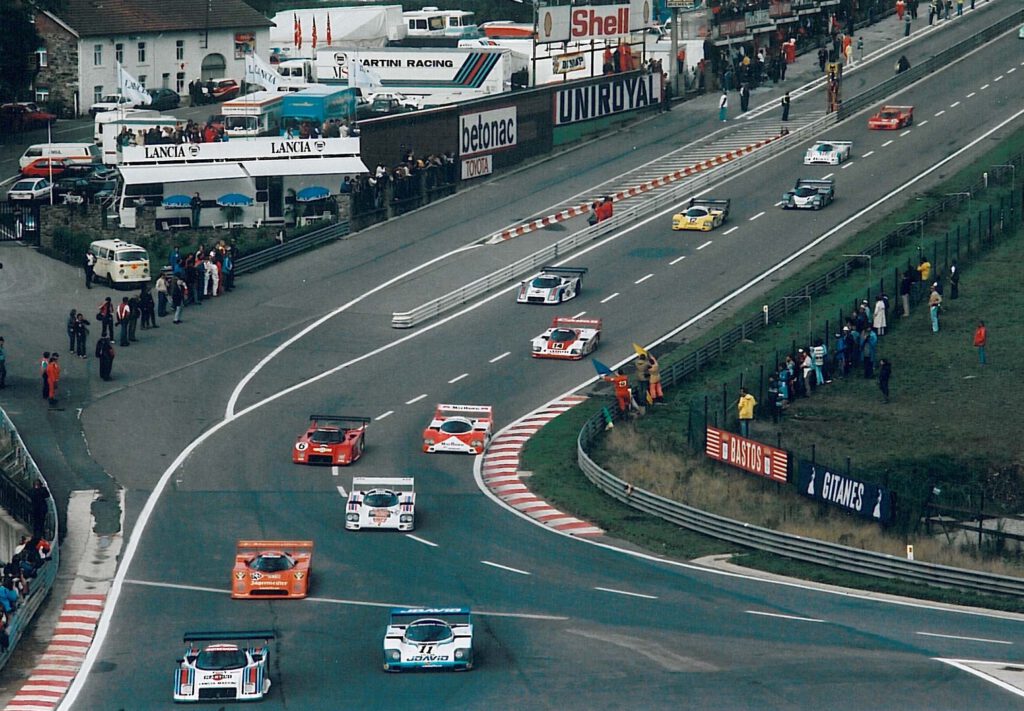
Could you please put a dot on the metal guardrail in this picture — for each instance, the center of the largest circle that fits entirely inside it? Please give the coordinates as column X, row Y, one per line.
column 40, row 586
column 258, row 260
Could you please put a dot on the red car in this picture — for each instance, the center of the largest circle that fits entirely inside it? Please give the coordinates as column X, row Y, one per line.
column 271, row 569
column 46, row 166
column 222, row 90
column 328, row 440
column 25, row 116
column 892, row 118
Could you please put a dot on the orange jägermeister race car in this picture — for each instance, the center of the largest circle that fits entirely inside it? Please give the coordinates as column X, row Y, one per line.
column 272, row 569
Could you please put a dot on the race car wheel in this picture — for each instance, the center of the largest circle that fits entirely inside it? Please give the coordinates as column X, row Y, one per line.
column 910, row 121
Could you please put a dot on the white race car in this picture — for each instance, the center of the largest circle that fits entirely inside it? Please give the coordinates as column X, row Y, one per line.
column 568, row 338
column 809, row 194
column 828, row 152
column 429, row 638
column 552, row 286
column 223, row 670
column 459, row 428
column 381, row 503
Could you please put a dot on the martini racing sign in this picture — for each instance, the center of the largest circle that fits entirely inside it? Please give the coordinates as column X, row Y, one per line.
column 862, row 498
column 616, row 94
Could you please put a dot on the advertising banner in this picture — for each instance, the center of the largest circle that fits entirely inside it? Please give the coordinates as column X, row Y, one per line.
column 585, row 22
column 747, row 454
column 618, row 93
column 477, row 167
column 867, row 500
column 487, row 131
column 565, row 63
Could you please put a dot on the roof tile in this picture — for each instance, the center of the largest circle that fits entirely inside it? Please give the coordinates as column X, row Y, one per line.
column 118, row 17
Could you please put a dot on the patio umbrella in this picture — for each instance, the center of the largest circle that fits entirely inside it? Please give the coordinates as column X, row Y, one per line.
column 174, row 201
column 312, row 194
column 234, row 200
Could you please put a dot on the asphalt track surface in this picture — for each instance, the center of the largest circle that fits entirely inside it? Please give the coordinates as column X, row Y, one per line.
column 563, row 624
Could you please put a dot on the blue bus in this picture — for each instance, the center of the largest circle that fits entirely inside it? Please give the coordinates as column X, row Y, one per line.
column 315, row 105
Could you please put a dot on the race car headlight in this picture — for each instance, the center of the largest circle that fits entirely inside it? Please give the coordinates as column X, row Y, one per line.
column 428, row 441
column 405, row 518
column 352, row 518
column 476, row 443
column 460, row 653
column 249, row 687
column 394, row 655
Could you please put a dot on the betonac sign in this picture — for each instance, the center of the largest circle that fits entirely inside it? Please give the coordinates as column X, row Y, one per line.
column 585, row 22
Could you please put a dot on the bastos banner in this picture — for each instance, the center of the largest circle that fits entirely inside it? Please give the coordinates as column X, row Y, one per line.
column 747, row 454
column 862, row 498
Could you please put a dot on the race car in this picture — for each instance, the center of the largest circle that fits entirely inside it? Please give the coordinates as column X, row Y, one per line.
column 892, row 117
column 223, row 671
column 703, row 215
column 459, row 428
column 552, row 286
column 271, row 569
column 809, row 194
column 328, row 441
column 381, row 503
column 429, row 638
column 568, row 338
column 828, row 152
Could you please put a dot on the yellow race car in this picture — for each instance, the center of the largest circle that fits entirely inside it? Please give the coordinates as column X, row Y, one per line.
column 702, row 215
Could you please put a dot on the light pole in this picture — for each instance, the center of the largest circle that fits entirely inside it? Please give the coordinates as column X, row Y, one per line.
column 809, row 314
column 863, row 256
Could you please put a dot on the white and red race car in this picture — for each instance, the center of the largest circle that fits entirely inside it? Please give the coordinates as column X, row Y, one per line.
column 568, row 338
column 459, row 428
column 224, row 670
column 376, row 502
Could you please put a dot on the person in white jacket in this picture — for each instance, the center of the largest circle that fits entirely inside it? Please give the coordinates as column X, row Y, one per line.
column 212, row 276
column 879, row 315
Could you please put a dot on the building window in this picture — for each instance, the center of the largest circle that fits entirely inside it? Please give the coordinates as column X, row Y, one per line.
column 142, row 80
column 42, row 95
column 42, row 58
column 97, row 55
column 97, row 93
column 119, row 52
column 179, row 50
column 179, row 82
column 142, row 52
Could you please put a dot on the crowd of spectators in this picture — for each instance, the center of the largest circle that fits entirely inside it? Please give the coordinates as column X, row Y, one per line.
column 407, row 180
column 29, row 556
column 190, row 132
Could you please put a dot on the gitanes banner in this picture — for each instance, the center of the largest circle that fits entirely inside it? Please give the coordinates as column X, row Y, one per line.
column 747, row 454
column 615, row 94
column 565, row 23
column 867, row 500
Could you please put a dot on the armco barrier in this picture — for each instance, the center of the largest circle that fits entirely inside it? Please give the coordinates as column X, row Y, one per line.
column 258, row 260
column 40, row 586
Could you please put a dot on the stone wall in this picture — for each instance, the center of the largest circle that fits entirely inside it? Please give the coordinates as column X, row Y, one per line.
column 60, row 75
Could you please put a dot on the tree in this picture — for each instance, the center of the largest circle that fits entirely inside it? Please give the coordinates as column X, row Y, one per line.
column 18, row 44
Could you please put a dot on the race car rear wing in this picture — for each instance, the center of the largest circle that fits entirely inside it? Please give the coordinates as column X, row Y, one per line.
column 456, row 615
column 712, row 204
column 573, row 271
column 403, row 484
column 890, row 107
column 339, row 418
column 286, row 546
column 819, row 185
column 566, row 322
column 265, row 635
column 838, row 144
column 485, row 411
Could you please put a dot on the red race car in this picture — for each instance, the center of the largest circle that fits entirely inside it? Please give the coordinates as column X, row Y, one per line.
column 892, row 117
column 42, row 167
column 272, row 569
column 459, row 428
column 328, row 440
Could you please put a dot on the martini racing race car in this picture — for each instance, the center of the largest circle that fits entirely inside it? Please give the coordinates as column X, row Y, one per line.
column 381, row 503
column 828, row 152
column 703, row 215
column 459, row 428
column 568, row 338
column 892, row 118
column 271, row 569
column 809, row 194
column 223, row 670
column 552, row 286
column 429, row 638
column 331, row 439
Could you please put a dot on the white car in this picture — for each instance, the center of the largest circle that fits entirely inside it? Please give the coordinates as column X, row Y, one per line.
column 223, row 670
column 828, row 152
column 29, row 190
column 568, row 339
column 378, row 502
column 552, row 286
column 111, row 102
column 429, row 638
column 459, row 428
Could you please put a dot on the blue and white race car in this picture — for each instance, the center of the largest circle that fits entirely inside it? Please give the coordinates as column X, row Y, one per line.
column 809, row 194
column 429, row 638
column 552, row 286
column 223, row 670
column 828, row 152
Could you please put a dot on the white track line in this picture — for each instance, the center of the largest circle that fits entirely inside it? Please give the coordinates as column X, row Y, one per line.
column 922, row 123
column 415, row 399
column 382, row 415
column 495, row 359
column 973, row 93
column 954, row 104
column 826, row 177
column 869, row 153
column 940, row 113
column 580, row 314
column 783, row 617
column 998, row 78
column 505, row 567
column 703, row 245
column 756, row 216
column 424, row 541
column 983, row 87
column 679, row 259
column 905, row 133
column 341, row 490
column 887, row 143
column 606, row 299
column 642, row 279
column 335, row 471
column 626, row 592
column 962, row 665
column 457, row 378
column 728, row 232
column 966, row 639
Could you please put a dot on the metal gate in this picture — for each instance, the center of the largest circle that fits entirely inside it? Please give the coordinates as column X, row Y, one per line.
column 19, row 222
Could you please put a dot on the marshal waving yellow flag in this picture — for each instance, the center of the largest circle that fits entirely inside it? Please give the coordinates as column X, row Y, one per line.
column 640, row 350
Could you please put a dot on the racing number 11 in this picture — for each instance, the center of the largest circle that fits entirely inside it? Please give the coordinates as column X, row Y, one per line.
column 426, row 649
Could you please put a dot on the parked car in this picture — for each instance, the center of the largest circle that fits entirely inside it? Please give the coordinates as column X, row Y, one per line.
column 220, row 90
column 164, row 100
column 24, row 116
column 111, row 102
column 29, row 190
column 47, row 167
column 85, row 180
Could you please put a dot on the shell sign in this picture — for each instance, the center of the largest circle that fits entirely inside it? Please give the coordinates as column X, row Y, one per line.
column 585, row 22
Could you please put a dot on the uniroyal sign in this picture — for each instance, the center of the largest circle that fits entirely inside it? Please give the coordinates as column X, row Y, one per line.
column 614, row 94
column 747, row 454
column 487, row 131
column 565, row 23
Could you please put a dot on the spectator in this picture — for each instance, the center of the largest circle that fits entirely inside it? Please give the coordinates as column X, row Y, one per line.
column 147, row 307
column 43, row 364
column 884, row 373
column 934, row 301
column 105, row 315
column 71, row 329
column 980, row 341
column 879, row 319
column 8, row 596
column 124, row 311
column 133, row 317
column 906, row 284
column 654, row 377
column 105, row 352
column 869, row 343
column 81, row 333
column 954, row 281
column 90, row 263
column 53, row 377
column 178, row 293
column 623, row 394
column 819, row 351
column 745, row 406
column 40, row 497
column 161, row 294
column 643, row 368
column 723, row 107
column 924, row 270
column 773, row 397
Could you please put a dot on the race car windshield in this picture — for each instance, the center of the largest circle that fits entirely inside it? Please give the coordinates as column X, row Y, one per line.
column 271, row 563
column 326, row 437
column 696, row 212
column 824, row 148
column 381, row 500
column 428, row 632
column 546, row 282
column 562, row 335
column 805, row 192
column 221, row 659
column 456, row 426
column 889, row 115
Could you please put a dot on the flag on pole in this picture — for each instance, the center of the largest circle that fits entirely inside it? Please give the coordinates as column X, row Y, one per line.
column 314, row 33
column 298, row 32
column 601, row 368
column 360, row 76
column 328, row 29
column 259, row 72
column 132, row 88
column 640, row 350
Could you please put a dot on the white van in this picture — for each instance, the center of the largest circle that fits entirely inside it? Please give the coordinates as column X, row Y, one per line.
column 119, row 262
column 78, row 152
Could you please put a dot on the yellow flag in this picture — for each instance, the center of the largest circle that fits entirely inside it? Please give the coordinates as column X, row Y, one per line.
column 640, row 350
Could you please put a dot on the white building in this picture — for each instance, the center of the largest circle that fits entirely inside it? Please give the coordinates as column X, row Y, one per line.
column 162, row 44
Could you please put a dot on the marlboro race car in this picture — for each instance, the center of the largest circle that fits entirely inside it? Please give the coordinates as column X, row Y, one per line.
column 892, row 118
column 272, row 569
column 381, row 503
column 828, row 152
column 568, row 338
column 552, row 286
column 429, row 638
column 328, row 441
column 701, row 214
column 459, row 428
column 223, row 671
